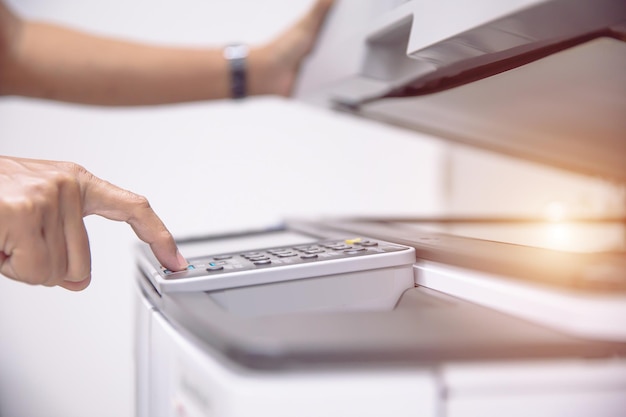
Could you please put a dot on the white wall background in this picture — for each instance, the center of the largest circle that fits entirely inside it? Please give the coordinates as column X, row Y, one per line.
column 204, row 167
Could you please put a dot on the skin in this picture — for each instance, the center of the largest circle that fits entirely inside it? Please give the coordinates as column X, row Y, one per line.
column 43, row 60
column 43, row 240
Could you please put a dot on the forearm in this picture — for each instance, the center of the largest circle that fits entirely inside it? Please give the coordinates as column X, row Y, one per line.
column 52, row 62
column 48, row 61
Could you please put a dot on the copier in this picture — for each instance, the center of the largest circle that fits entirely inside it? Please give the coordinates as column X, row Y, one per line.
column 434, row 316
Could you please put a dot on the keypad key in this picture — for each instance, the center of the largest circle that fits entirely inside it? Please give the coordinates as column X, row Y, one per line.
column 215, row 268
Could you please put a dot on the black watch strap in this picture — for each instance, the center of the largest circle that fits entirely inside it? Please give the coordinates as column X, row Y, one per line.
column 237, row 55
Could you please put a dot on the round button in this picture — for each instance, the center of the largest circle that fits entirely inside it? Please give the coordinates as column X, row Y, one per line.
column 341, row 247
column 215, row 268
column 309, row 256
column 258, row 258
column 252, row 254
column 277, row 251
column 263, row 262
column 313, row 251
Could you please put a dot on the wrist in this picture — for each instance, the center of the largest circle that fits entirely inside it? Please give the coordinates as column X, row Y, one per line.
column 267, row 72
column 270, row 72
column 259, row 73
column 237, row 57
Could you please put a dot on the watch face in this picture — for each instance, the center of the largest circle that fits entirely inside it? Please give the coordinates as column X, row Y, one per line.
column 236, row 51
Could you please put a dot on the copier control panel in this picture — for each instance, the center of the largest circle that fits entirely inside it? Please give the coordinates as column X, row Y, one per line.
column 232, row 269
column 280, row 256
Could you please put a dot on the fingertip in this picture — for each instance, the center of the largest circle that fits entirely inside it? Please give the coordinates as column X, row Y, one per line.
column 76, row 286
column 182, row 262
column 179, row 264
column 170, row 259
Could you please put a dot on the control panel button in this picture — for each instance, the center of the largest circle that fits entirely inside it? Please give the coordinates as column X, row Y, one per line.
column 213, row 268
column 258, row 258
column 286, row 255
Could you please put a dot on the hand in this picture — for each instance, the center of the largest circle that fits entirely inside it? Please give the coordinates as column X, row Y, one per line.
column 275, row 66
column 43, row 239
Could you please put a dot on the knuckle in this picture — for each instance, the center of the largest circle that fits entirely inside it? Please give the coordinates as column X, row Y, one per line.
column 72, row 170
column 139, row 202
column 63, row 177
column 28, row 207
column 43, row 196
column 66, row 182
column 71, row 167
column 136, row 206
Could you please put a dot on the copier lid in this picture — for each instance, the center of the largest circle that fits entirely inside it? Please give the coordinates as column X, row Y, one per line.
column 546, row 83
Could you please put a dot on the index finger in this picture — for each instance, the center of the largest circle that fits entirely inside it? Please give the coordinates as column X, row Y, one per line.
column 115, row 203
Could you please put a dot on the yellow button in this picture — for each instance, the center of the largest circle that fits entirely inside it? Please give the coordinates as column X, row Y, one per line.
column 352, row 241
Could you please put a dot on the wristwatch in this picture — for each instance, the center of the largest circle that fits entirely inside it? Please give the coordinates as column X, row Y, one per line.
column 236, row 55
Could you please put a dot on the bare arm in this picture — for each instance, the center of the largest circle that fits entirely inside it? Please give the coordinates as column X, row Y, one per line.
column 49, row 61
